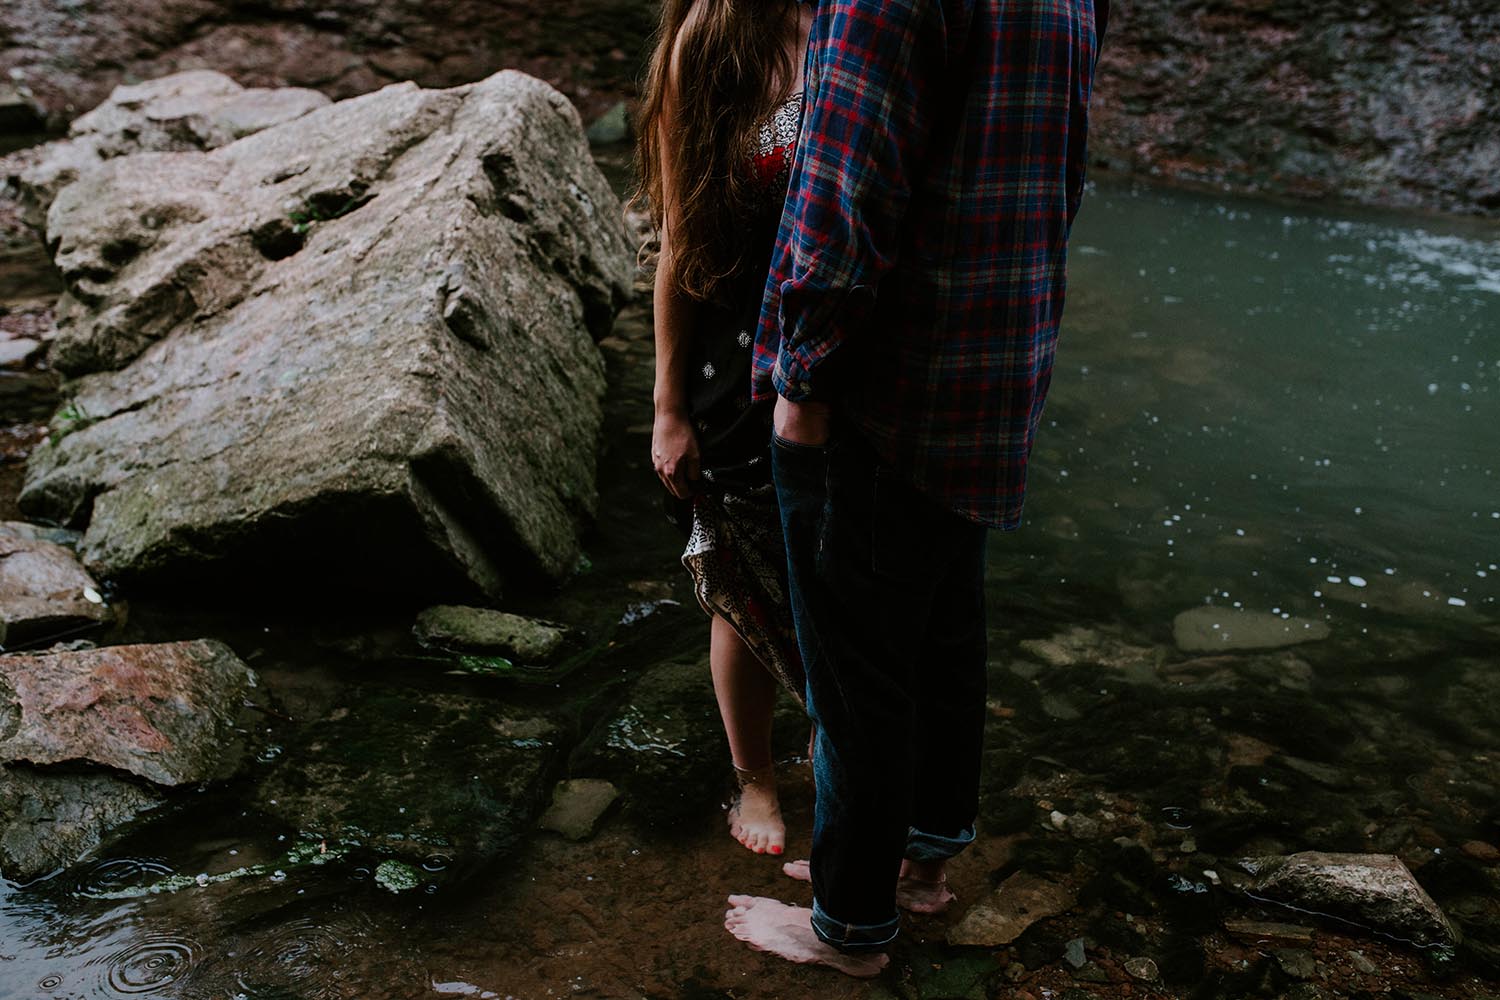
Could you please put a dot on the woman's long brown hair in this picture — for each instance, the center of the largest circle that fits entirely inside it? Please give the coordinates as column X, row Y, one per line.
column 733, row 64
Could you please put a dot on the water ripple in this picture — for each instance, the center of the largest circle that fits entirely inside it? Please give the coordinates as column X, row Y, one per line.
column 149, row 965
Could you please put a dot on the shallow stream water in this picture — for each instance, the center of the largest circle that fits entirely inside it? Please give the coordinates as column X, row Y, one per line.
column 1257, row 407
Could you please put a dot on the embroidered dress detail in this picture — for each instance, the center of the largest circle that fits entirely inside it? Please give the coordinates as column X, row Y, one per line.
column 775, row 143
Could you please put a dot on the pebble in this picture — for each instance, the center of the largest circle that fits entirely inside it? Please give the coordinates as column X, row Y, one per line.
column 1480, row 851
column 1364, row 965
column 1143, row 968
column 1091, row 973
column 1296, row 962
column 1074, row 953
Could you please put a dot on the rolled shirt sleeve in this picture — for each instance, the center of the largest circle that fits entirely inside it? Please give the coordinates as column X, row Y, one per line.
column 873, row 71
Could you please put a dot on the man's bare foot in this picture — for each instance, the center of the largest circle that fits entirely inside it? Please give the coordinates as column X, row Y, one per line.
column 914, row 893
column 786, row 932
column 755, row 816
column 922, row 887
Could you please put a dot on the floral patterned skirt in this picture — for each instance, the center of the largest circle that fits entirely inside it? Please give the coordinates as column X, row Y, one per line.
column 737, row 559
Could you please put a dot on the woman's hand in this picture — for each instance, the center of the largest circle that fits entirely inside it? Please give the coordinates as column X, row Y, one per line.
column 674, row 453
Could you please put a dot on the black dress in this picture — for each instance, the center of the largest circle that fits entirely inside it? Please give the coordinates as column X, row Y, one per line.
column 735, row 552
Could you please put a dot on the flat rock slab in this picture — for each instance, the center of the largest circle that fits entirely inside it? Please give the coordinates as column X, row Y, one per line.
column 1209, row 628
column 482, row 630
column 44, row 590
column 417, row 773
column 578, row 805
column 49, row 820
column 1376, row 891
column 163, row 712
column 1268, row 931
column 1022, row 900
column 352, row 350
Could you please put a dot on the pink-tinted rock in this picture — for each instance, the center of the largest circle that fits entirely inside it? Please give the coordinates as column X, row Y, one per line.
column 163, row 712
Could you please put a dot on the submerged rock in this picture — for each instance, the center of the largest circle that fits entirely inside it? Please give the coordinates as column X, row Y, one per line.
column 416, row 773
column 358, row 340
column 1376, row 891
column 1022, row 900
column 578, row 805
column 44, row 590
column 1209, row 628
column 664, row 746
column 48, row 819
column 164, row 712
column 481, row 630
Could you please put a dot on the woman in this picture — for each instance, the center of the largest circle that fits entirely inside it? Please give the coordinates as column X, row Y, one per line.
column 719, row 121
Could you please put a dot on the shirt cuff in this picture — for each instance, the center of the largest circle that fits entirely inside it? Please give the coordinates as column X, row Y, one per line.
column 813, row 330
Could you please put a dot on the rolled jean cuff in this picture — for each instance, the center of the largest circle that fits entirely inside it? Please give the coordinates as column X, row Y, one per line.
column 922, row 846
column 853, row 937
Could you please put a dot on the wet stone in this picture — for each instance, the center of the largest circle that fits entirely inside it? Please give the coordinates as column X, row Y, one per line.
column 1209, row 628
column 1003, row 916
column 664, row 746
column 164, row 712
column 1090, row 972
column 1480, row 851
column 611, row 127
column 578, row 805
column 1143, row 969
column 1255, row 931
column 48, row 819
column 44, row 589
column 1074, row 953
column 1362, row 964
column 1296, row 962
column 1373, row 890
column 481, row 630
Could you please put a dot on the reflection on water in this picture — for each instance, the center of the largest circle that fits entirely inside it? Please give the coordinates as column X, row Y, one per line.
column 1264, row 407
column 1259, row 408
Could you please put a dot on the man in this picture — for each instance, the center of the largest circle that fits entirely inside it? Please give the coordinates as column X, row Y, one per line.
column 909, row 328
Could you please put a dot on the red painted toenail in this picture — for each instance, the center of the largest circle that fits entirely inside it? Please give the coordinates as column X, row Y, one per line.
column 775, row 850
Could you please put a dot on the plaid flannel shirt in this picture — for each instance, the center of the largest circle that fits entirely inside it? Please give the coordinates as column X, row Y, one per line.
column 919, row 271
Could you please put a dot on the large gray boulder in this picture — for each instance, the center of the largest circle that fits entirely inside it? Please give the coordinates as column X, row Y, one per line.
column 358, row 342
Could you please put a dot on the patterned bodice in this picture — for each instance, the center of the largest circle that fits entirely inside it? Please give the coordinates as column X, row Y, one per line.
column 774, row 147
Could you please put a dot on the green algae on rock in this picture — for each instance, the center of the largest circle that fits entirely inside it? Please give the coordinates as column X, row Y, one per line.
column 482, row 630
column 397, row 876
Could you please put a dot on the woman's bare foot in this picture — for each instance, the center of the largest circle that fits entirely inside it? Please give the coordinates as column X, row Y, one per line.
column 755, row 816
column 786, row 932
column 914, row 893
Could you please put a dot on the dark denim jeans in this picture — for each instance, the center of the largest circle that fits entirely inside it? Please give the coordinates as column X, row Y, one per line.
column 887, row 590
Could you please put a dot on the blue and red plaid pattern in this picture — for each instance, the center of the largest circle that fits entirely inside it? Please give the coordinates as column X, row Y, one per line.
column 919, row 271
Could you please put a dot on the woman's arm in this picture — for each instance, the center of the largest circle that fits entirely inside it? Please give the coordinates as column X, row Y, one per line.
column 674, row 445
